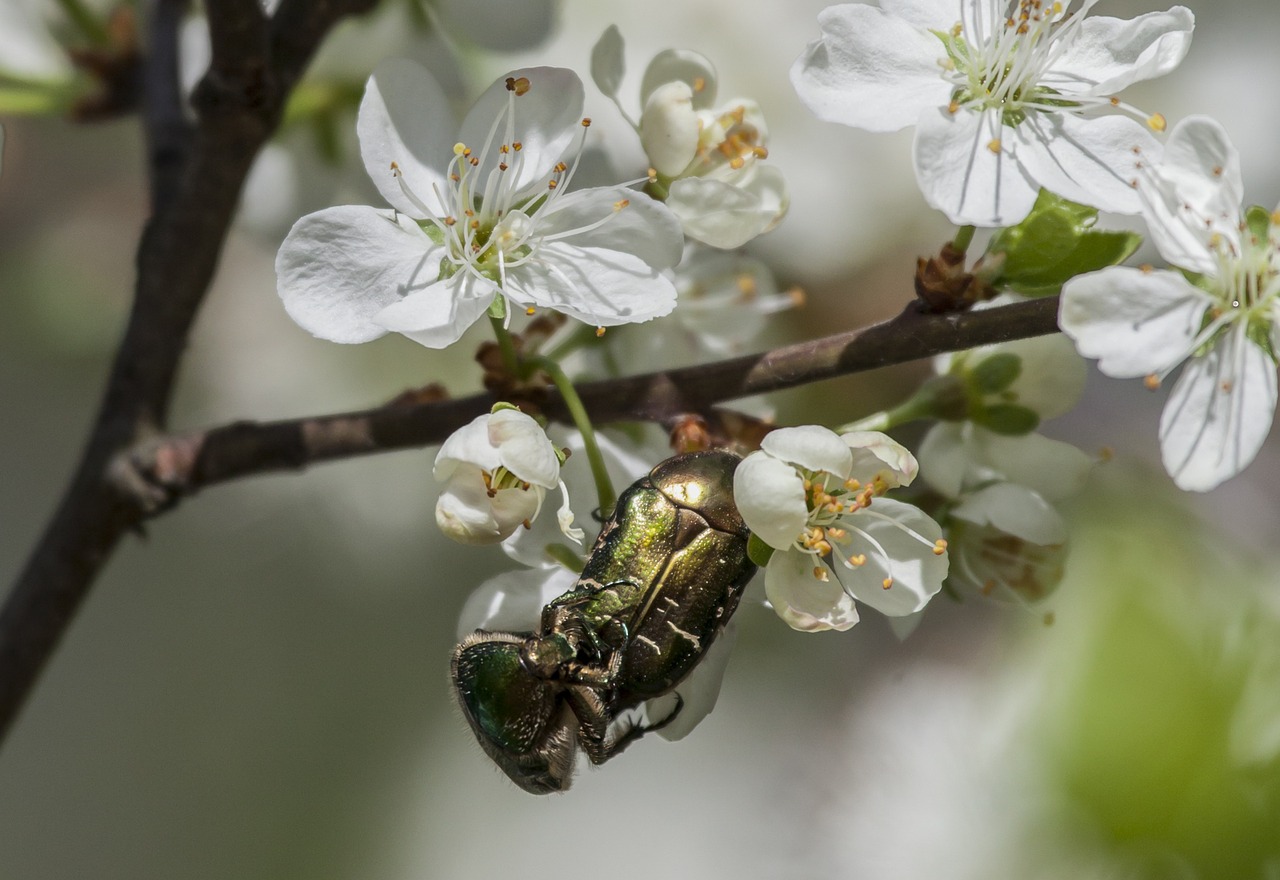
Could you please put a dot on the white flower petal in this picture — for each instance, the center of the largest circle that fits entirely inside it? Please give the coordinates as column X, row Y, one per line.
column 438, row 315
column 811, row 447
column 1088, row 160
column 770, row 496
column 878, row 456
column 524, row 448
column 917, row 573
column 338, row 268
column 806, row 603
column 1051, row 468
column 607, row 61
column 513, row 601
column 669, row 128
column 966, row 170
column 870, row 69
column 1194, row 194
column 1015, row 510
column 683, row 65
column 1107, row 54
column 644, row 227
column 1133, row 322
column 548, row 121
column 728, row 214
column 1219, row 413
column 925, row 15
column 944, row 458
column 405, row 118
column 594, row 285
column 467, row 514
column 469, row 444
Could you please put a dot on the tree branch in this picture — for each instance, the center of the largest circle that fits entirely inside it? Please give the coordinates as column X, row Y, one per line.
column 239, row 106
column 163, row 470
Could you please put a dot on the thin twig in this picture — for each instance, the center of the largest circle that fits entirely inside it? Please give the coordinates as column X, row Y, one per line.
column 165, row 469
column 238, row 109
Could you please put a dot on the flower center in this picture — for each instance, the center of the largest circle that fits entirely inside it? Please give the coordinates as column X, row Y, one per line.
column 490, row 219
column 1004, row 63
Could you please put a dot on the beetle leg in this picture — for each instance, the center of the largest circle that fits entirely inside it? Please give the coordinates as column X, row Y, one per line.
column 593, row 717
column 628, row 732
column 594, row 675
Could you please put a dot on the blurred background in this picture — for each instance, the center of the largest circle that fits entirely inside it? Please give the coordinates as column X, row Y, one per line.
column 258, row 687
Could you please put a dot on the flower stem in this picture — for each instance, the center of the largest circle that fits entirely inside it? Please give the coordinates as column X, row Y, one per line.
column 604, row 486
column 964, row 236
column 506, row 345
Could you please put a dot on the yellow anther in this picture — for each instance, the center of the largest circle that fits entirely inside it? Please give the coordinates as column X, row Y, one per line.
column 953, row 108
column 395, row 169
column 1157, row 122
column 797, row 296
column 887, row 583
column 1146, row 268
column 530, row 310
column 450, row 221
column 820, row 573
column 1115, row 102
column 939, row 546
column 502, row 166
column 561, row 168
column 994, row 145
column 1151, row 381
column 760, row 152
column 858, row 559
column 552, row 184
column 599, row 332
column 586, row 122
column 699, row 83
column 620, row 204
column 737, row 162
column 746, row 285
column 519, row 85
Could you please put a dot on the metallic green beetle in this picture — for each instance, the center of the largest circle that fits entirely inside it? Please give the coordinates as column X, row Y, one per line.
column 663, row 578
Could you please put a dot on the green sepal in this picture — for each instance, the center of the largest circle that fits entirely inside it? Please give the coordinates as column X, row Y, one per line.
column 1258, row 219
column 498, row 308
column 1055, row 243
column 995, row 373
column 432, row 231
column 1259, row 333
column 1007, row 418
column 758, row 551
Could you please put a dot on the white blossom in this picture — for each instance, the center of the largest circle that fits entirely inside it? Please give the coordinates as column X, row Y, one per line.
column 1222, row 327
column 497, row 471
column 1005, row 95
column 707, row 162
column 486, row 218
column 816, row 498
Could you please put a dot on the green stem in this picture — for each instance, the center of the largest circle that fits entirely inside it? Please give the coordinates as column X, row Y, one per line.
column 964, row 236
column 604, row 486
column 507, row 346
column 86, row 21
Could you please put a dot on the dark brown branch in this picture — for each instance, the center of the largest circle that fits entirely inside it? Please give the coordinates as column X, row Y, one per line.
column 165, row 469
column 238, row 107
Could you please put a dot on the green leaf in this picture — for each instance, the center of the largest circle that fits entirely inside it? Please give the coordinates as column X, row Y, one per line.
column 758, row 551
column 995, row 373
column 1007, row 418
column 1055, row 243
